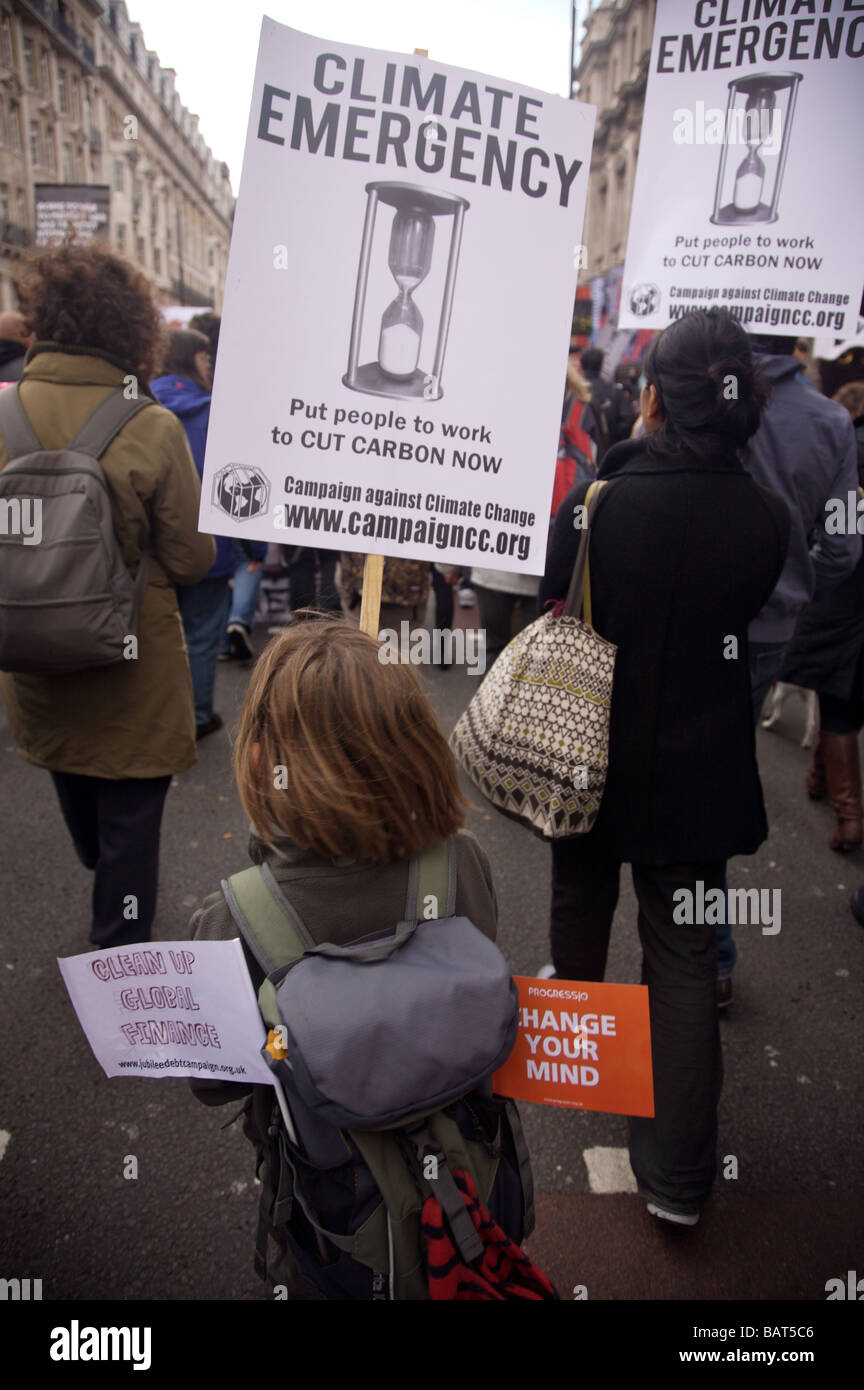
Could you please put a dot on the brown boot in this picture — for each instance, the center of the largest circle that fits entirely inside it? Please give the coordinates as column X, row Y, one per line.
column 816, row 787
column 843, row 776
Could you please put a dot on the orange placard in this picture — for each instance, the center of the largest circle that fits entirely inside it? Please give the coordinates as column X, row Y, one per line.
column 586, row 1046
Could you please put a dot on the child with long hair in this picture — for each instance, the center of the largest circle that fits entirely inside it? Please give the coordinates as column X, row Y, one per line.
column 345, row 775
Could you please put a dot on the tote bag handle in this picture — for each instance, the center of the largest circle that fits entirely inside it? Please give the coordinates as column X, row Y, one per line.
column 578, row 602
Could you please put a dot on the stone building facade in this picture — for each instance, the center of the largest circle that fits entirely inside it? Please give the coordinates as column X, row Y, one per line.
column 83, row 100
column 611, row 72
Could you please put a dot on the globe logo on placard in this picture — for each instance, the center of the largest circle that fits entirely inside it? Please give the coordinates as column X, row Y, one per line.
column 241, row 492
column 644, row 300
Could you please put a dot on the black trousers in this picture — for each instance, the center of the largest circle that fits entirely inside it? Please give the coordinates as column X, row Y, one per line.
column 443, row 600
column 499, row 616
column 673, row 1155
column 115, row 829
column 303, row 593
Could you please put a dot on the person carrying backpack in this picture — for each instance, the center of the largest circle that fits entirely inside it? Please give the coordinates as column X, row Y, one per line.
column 95, row 676
column 368, row 921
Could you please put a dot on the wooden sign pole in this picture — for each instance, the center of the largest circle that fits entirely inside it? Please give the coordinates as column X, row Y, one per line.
column 370, row 606
column 373, row 565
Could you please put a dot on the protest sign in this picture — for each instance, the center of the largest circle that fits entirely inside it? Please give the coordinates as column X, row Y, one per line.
column 398, row 305
column 747, row 190
column 831, row 348
column 76, row 210
column 172, row 1008
column 178, row 315
column 584, row 1046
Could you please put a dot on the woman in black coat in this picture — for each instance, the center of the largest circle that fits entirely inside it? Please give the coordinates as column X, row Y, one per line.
column 685, row 549
column 826, row 654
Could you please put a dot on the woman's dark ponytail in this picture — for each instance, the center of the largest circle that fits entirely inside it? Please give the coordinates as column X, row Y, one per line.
column 711, row 397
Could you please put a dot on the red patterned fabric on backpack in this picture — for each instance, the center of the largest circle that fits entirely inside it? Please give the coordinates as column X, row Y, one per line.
column 504, row 1271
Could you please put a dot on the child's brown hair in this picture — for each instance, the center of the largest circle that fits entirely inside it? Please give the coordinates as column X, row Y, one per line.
column 352, row 760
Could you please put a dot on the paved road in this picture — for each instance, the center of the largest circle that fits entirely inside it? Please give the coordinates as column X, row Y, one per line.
column 791, row 1112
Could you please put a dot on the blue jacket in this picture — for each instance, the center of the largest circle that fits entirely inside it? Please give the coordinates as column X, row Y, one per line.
column 191, row 404
column 804, row 449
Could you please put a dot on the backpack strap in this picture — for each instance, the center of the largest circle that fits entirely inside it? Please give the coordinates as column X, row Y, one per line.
column 432, row 874
column 15, row 428
column 106, row 422
column 523, row 1161
column 273, row 930
column 94, row 436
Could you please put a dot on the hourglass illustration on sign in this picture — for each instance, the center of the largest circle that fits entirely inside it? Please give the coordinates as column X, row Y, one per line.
column 758, row 115
column 405, row 365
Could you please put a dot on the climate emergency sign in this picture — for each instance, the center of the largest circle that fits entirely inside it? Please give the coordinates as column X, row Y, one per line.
column 583, row 1045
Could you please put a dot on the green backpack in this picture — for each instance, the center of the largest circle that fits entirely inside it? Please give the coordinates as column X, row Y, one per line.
column 346, row 1203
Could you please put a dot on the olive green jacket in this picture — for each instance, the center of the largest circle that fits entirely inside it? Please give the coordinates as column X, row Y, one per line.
column 135, row 719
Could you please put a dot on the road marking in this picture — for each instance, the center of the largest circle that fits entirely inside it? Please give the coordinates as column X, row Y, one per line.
column 609, row 1170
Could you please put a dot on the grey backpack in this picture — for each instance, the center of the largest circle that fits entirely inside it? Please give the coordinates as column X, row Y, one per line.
column 394, row 1023
column 67, row 600
column 384, row 1085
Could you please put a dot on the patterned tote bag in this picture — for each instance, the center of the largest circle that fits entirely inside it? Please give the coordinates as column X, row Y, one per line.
column 535, row 738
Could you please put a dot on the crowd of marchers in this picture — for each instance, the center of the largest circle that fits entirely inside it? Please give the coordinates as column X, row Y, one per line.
column 712, row 525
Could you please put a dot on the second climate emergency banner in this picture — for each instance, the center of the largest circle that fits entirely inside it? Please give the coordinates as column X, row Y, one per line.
column 397, row 314
column 748, row 192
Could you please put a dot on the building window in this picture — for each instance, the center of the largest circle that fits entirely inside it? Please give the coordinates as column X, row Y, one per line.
column 121, row 235
column 45, row 74
column 62, row 91
column 2, row 120
column 633, row 33
column 50, row 150
column 119, row 180
column 35, row 145
column 7, row 57
column 14, row 126
column 29, row 63
column 157, row 260
column 4, row 202
column 22, row 208
column 68, row 167
column 76, row 98
column 210, row 257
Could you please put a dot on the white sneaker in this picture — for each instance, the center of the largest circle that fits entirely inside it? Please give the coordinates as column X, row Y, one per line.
column 676, row 1218
column 546, row 972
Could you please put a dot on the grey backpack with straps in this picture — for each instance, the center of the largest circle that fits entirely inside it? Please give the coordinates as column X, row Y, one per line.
column 382, row 1052
column 67, row 600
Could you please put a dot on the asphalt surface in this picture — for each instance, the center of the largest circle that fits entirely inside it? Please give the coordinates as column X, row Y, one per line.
column 791, row 1111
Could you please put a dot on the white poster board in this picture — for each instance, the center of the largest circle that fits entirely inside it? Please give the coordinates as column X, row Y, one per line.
column 748, row 192
column 169, row 1008
column 832, row 348
column 397, row 309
